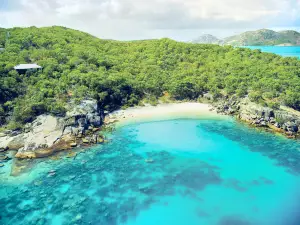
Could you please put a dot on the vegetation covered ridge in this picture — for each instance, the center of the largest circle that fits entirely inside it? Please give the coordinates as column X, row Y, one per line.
column 77, row 65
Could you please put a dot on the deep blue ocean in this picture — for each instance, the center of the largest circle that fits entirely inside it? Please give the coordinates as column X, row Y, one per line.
column 175, row 172
column 287, row 51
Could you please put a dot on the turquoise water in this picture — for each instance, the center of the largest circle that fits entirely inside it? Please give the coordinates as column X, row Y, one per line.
column 176, row 172
column 287, row 51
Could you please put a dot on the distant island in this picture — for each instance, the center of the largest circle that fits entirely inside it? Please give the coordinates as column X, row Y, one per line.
column 255, row 38
column 207, row 39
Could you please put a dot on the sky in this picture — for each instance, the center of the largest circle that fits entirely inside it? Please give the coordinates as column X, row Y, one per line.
column 145, row 19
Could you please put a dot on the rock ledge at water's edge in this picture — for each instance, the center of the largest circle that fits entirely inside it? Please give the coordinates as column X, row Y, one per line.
column 48, row 134
column 283, row 120
column 83, row 126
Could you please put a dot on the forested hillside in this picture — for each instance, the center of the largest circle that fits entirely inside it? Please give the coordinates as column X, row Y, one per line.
column 78, row 65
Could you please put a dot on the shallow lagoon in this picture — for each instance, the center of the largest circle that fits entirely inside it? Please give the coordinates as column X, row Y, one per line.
column 210, row 172
column 286, row 51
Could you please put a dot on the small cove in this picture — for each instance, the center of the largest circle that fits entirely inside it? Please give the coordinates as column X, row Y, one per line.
column 201, row 171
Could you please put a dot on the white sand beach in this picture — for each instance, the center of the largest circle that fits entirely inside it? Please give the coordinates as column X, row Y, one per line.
column 160, row 112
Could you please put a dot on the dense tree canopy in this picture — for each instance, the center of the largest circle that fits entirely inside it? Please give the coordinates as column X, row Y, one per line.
column 77, row 65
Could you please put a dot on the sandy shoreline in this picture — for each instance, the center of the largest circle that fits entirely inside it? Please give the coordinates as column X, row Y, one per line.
column 187, row 110
column 133, row 115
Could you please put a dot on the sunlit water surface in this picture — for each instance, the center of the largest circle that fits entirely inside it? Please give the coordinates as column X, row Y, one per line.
column 286, row 51
column 177, row 172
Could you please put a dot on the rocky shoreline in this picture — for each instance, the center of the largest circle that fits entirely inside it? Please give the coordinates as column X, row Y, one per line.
column 84, row 123
column 283, row 120
column 47, row 134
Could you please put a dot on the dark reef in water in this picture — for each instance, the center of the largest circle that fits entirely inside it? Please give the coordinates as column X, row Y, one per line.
column 232, row 220
column 115, row 170
column 286, row 157
column 111, row 184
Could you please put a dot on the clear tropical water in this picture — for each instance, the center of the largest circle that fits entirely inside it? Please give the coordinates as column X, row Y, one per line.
column 287, row 51
column 176, row 172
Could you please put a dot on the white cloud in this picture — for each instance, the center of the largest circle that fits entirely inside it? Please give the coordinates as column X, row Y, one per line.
column 125, row 19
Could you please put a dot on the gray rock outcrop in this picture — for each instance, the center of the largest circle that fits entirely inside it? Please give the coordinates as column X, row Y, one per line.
column 281, row 120
column 47, row 133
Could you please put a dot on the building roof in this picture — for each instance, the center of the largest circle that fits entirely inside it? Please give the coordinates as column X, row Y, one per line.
column 27, row 66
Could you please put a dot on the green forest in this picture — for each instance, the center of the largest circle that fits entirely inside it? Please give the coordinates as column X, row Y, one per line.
column 118, row 74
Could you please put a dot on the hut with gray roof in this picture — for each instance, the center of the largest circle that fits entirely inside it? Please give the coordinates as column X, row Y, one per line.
column 23, row 68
